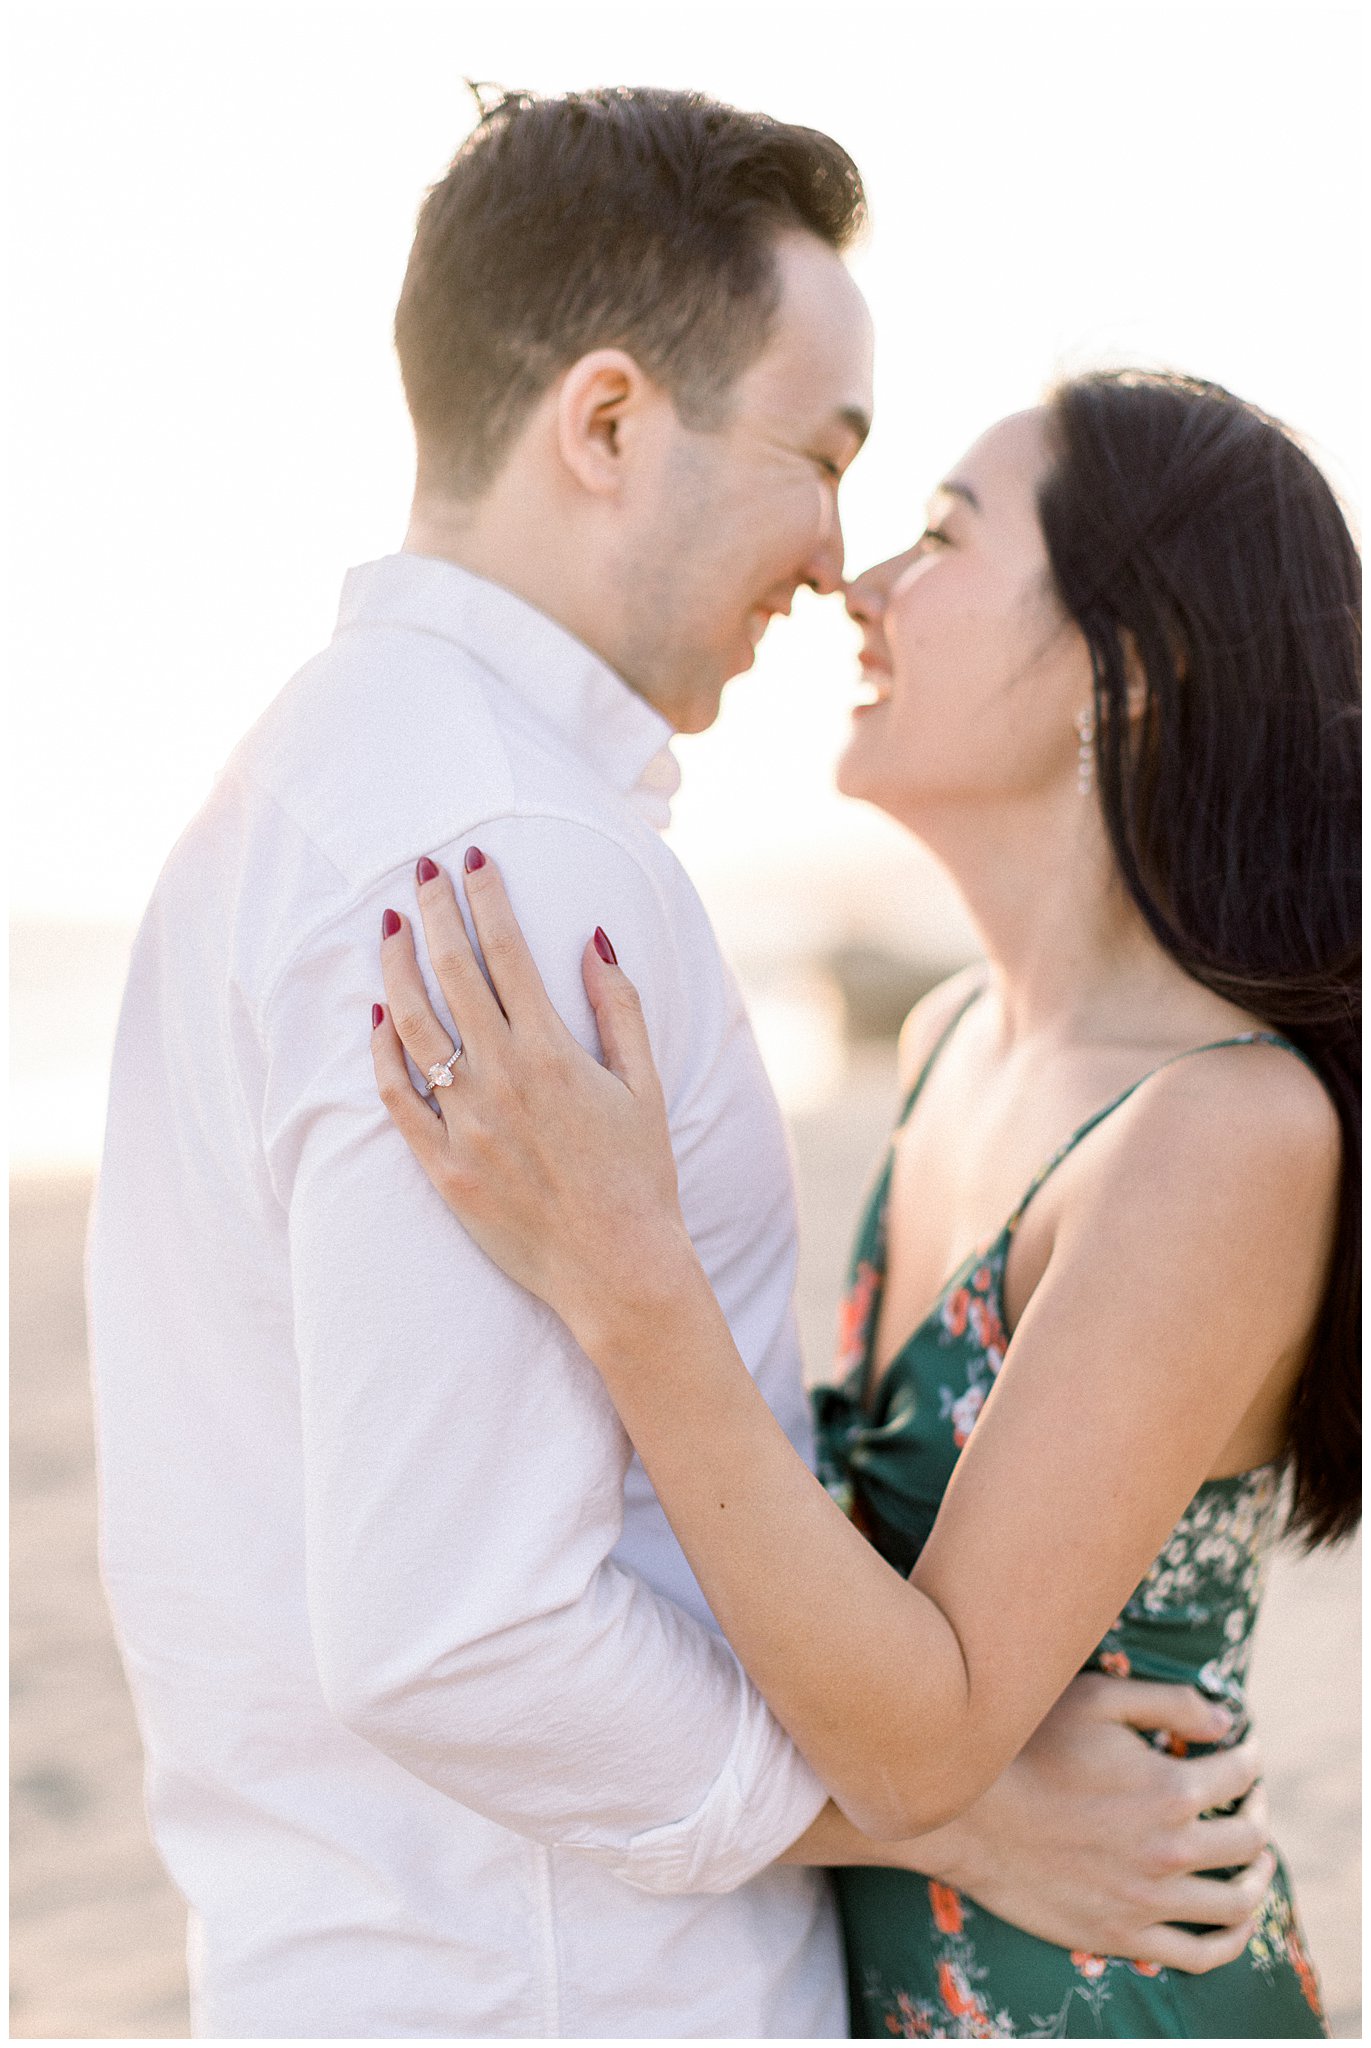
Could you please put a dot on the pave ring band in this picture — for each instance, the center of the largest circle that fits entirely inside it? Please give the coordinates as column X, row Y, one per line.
column 440, row 1073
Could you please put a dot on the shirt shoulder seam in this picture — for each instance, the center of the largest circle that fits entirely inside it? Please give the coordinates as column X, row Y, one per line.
column 338, row 915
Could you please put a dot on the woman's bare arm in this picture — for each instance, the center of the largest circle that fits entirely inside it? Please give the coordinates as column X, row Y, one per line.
column 1159, row 1317
column 1144, row 1344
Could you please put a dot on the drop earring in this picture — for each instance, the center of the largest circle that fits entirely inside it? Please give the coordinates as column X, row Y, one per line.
column 1085, row 751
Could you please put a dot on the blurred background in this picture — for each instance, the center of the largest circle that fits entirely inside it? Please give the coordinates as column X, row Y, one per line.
column 214, row 209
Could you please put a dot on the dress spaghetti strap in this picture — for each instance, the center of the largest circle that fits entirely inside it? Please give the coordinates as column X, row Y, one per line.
column 943, row 1036
column 1215, row 1045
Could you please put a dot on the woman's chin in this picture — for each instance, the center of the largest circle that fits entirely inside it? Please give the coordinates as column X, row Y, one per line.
column 858, row 771
column 869, row 771
column 844, row 781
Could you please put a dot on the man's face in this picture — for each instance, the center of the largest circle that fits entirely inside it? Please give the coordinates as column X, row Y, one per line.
column 740, row 517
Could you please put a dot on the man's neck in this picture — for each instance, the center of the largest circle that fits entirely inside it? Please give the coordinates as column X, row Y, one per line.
column 453, row 533
column 520, row 537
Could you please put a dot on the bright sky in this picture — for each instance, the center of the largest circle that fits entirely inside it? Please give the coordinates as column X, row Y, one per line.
column 216, row 208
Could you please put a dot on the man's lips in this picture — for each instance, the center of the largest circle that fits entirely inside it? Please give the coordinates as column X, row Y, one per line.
column 760, row 617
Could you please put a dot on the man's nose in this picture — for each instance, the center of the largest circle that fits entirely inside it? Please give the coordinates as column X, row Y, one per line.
column 825, row 571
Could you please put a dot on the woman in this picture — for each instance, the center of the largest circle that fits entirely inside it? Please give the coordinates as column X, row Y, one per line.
column 1105, row 1294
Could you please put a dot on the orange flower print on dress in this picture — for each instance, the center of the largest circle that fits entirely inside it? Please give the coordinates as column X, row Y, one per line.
column 947, row 1907
column 955, row 1310
column 1115, row 1663
column 907, row 2023
column 964, row 1413
column 854, row 1314
column 985, row 1326
column 1146, row 1969
column 1304, row 1970
column 980, row 1279
column 957, row 1995
column 1088, row 1965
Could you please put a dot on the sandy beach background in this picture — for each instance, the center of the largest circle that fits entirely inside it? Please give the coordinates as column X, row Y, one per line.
column 98, row 1931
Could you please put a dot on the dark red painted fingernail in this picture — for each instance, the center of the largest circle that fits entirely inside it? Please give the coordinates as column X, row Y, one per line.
column 472, row 859
column 390, row 923
column 427, row 870
column 603, row 947
column 378, row 1015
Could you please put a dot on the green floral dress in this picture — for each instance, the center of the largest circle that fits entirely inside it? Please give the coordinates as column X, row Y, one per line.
column 924, row 1962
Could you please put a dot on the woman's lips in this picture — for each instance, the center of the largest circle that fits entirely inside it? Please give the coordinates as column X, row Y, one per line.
column 876, row 677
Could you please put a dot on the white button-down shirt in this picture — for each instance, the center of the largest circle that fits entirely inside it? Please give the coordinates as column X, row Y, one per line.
column 441, row 1738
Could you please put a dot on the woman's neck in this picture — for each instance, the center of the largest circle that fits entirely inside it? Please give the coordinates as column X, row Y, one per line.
column 1071, row 957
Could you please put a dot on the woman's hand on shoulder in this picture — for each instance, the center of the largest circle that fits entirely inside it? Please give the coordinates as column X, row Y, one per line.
column 560, row 1168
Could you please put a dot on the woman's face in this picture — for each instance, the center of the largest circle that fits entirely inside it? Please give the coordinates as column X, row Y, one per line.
column 978, row 672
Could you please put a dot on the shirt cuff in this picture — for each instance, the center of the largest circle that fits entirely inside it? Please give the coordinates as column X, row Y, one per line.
column 763, row 1799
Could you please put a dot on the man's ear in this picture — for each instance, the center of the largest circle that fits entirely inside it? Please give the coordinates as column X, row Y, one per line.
column 601, row 406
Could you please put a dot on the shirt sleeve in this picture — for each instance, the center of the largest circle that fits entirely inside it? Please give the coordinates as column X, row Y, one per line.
column 464, row 1466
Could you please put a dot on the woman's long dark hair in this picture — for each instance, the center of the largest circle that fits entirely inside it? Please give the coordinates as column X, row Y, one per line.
column 1210, row 568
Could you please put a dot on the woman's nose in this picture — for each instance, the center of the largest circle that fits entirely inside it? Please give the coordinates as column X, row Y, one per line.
column 867, row 595
column 863, row 599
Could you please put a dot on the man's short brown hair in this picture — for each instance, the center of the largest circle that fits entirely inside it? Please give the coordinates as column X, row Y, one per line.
column 633, row 218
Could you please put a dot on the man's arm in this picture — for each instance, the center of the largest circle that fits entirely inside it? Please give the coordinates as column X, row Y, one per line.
column 464, row 1466
column 1092, row 1839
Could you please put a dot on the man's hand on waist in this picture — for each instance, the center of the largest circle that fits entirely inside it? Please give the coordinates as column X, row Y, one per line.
column 1093, row 1839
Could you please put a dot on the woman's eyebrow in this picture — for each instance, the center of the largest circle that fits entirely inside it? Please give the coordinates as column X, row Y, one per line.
column 953, row 489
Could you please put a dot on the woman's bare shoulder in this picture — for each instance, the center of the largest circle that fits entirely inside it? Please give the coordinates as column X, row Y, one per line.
column 931, row 1016
column 1261, row 1104
column 1244, row 1137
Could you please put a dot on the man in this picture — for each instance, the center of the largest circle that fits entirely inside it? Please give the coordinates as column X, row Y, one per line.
column 441, row 1739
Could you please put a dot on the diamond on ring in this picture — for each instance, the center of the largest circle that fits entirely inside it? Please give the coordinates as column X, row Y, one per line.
column 440, row 1073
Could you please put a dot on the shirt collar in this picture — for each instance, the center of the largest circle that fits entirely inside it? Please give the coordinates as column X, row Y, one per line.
column 552, row 672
